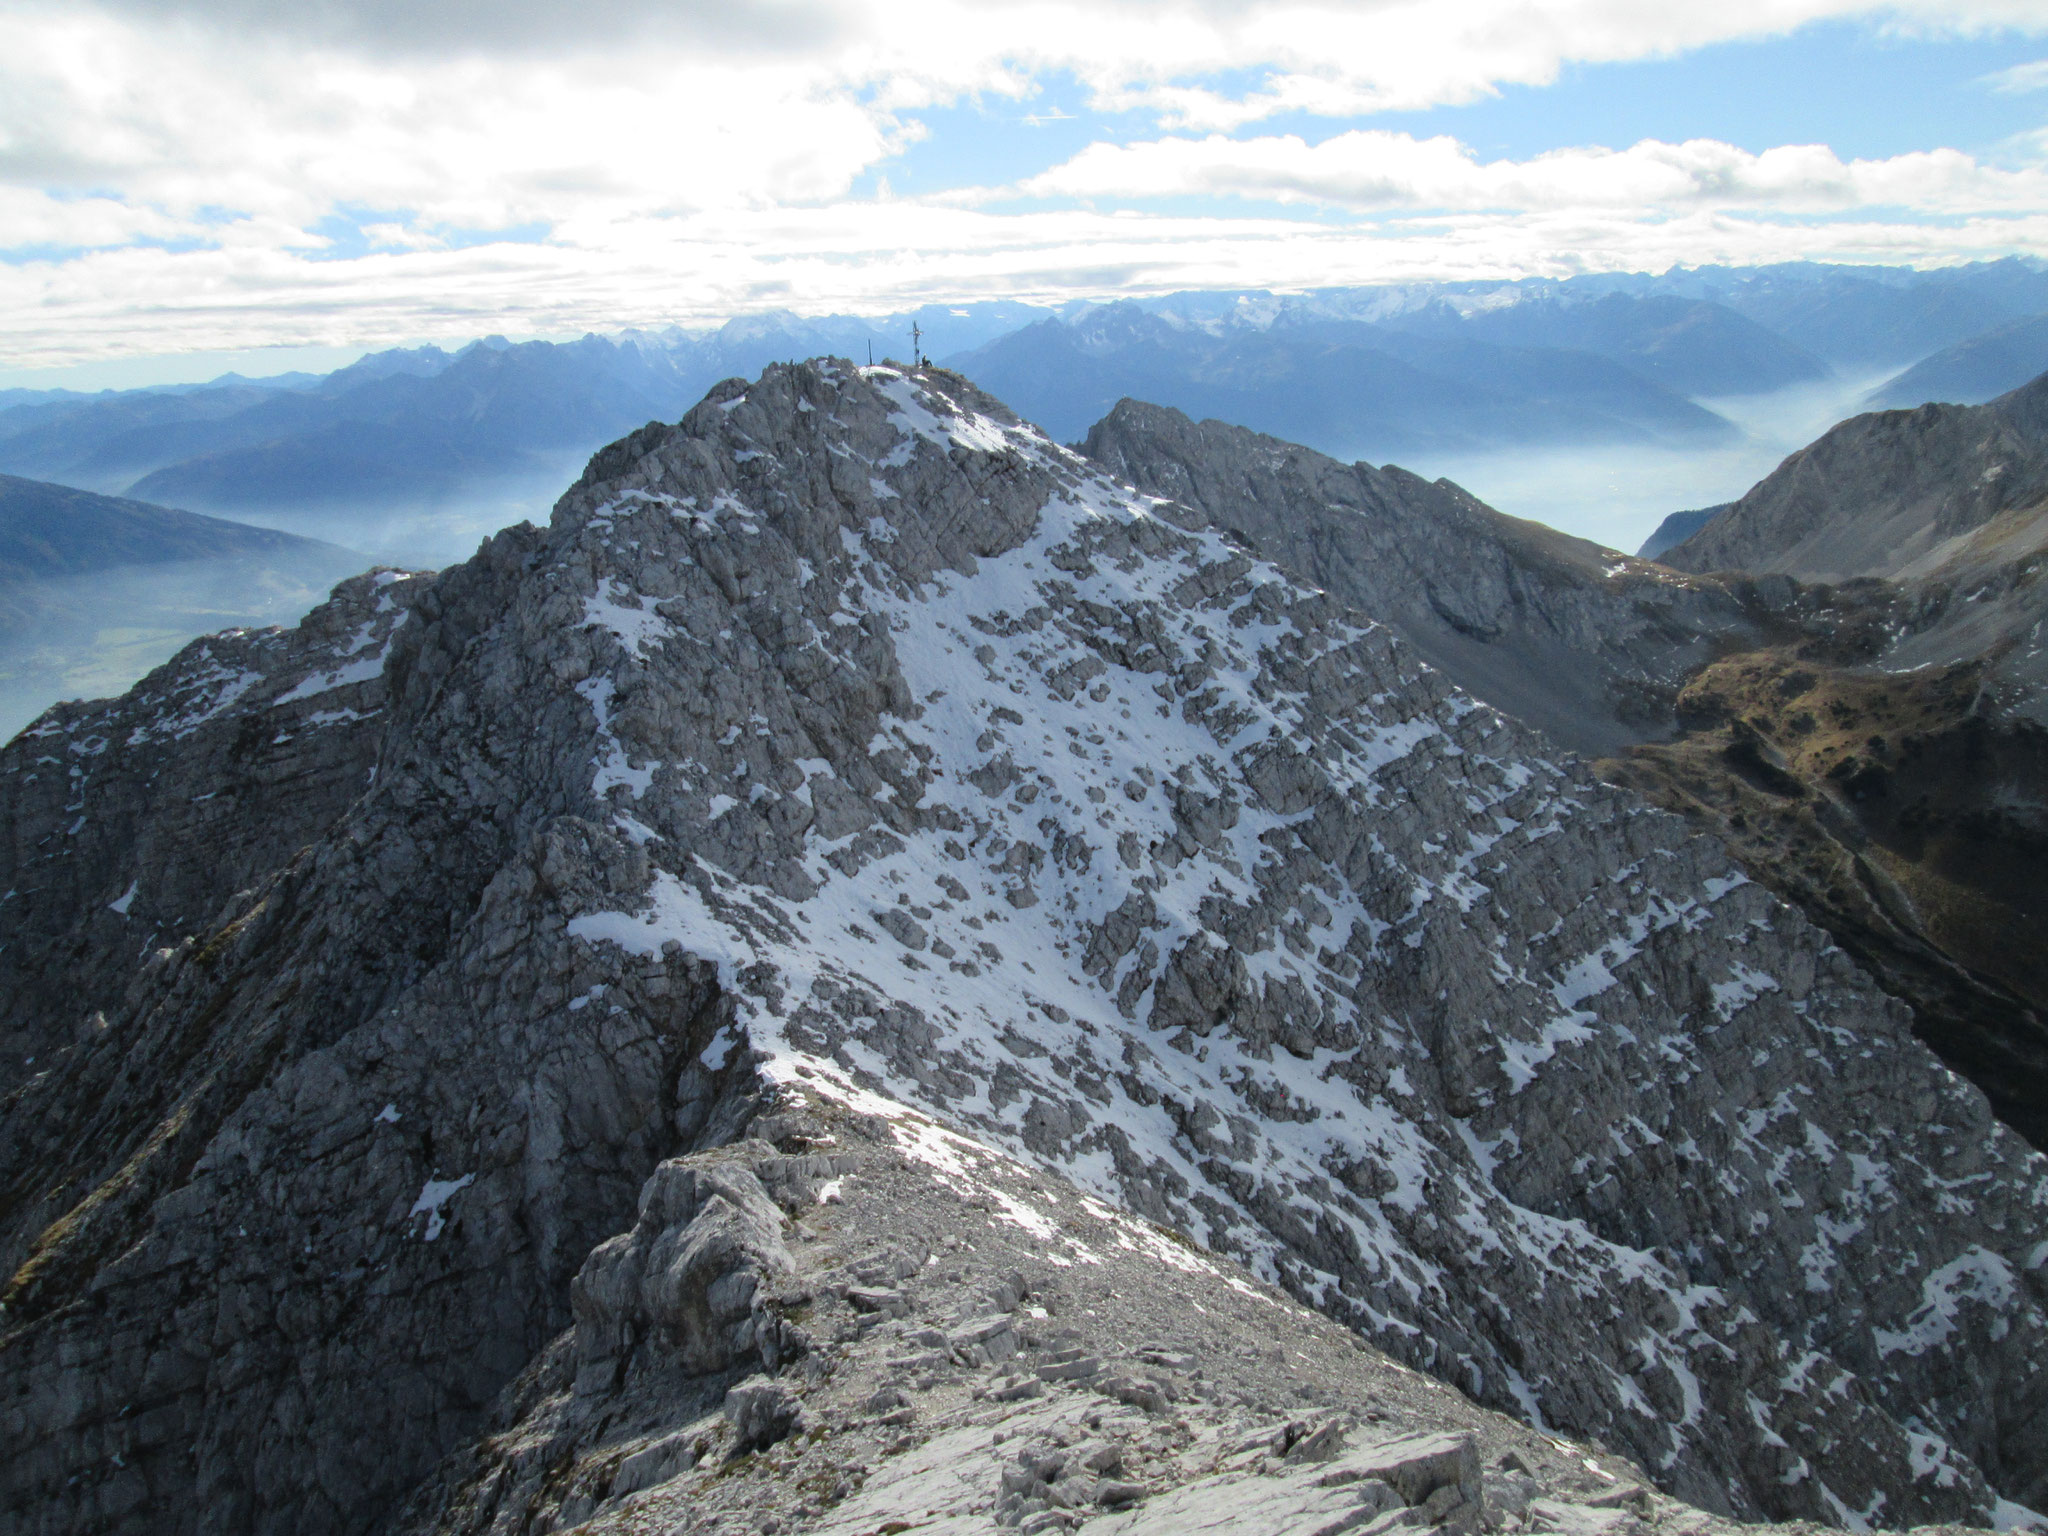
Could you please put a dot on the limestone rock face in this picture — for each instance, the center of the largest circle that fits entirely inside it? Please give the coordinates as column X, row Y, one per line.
column 127, row 823
column 1932, row 524
column 1914, row 835
column 281, row 1226
column 1588, row 645
column 707, row 1247
column 1045, row 1360
column 852, row 745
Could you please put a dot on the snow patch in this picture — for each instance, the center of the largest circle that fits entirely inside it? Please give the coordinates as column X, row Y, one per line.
column 433, row 1201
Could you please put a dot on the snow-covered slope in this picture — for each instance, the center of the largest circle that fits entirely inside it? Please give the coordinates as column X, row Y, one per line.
column 1101, row 837
column 854, row 736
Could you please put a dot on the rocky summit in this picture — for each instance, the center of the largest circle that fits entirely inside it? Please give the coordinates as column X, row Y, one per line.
column 873, row 977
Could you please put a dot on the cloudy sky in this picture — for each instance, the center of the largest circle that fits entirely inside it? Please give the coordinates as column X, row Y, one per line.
column 199, row 177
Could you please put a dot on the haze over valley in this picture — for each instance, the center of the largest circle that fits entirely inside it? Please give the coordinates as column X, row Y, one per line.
column 1596, row 406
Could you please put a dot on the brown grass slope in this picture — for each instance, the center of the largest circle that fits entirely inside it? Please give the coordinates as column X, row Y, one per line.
column 1904, row 819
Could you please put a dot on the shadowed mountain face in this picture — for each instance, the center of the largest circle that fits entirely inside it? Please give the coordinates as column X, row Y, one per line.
column 1676, row 529
column 1901, row 813
column 1889, row 771
column 1861, row 317
column 96, row 590
column 1691, row 346
column 415, row 426
column 1973, row 371
column 1894, row 493
column 852, row 748
column 52, row 531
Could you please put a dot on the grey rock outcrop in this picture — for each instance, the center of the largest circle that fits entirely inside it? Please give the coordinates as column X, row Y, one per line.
column 1676, row 529
column 1890, row 493
column 692, row 1277
column 1584, row 643
column 1913, row 834
column 279, row 1230
column 1199, row 890
column 1933, row 524
column 1143, row 1388
column 126, row 824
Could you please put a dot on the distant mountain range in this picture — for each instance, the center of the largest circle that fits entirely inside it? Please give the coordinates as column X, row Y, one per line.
column 1973, row 371
column 415, row 426
column 1347, row 386
column 1691, row 346
column 1358, row 372
column 1677, row 528
column 1862, row 318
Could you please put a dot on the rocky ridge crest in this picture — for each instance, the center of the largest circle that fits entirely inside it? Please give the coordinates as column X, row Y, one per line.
column 854, row 740
column 1588, row 645
column 1888, row 493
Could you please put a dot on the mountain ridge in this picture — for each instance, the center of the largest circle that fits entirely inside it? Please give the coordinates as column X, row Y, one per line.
column 1973, row 371
column 1889, row 493
column 95, row 590
column 1346, row 384
column 853, row 739
column 1573, row 639
column 1871, row 751
column 395, row 424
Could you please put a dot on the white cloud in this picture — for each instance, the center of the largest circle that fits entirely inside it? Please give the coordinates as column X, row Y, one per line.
column 396, row 28
column 870, row 258
column 2019, row 79
column 696, row 157
column 1338, row 56
column 1372, row 170
column 486, row 113
column 34, row 220
column 192, row 126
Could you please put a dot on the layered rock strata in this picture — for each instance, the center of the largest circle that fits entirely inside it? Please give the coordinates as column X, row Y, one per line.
column 1888, row 493
column 1588, row 645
